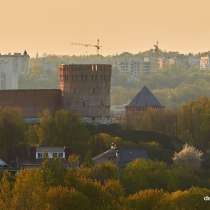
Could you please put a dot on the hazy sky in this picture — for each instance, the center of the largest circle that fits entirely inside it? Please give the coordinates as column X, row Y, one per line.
column 123, row 25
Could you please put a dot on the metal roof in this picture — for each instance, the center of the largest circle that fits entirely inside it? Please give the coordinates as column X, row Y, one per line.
column 50, row 149
column 145, row 99
column 123, row 156
column 127, row 155
column 2, row 163
column 105, row 155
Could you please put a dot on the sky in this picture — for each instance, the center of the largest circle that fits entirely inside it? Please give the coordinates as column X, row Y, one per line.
column 50, row 26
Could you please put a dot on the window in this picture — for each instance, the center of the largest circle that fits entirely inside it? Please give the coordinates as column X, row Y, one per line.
column 60, row 154
column 39, row 155
column 93, row 90
column 55, row 154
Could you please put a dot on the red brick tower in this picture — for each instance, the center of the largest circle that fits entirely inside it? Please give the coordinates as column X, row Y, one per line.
column 86, row 90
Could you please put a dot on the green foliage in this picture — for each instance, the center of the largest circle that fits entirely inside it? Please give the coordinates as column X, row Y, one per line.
column 11, row 132
column 194, row 122
column 64, row 198
column 144, row 200
column 52, row 172
column 102, row 141
column 192, row 199
column 63, row 129
column 143, row 174
column 73, row 161
column 28, row 192
column 5, row 191
column 80, row 190
column 103, row 172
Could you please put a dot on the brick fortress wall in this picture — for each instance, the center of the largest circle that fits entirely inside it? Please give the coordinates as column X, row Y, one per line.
column 32, row 102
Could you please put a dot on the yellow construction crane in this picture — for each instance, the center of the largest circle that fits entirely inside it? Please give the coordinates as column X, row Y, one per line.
column 97, row 45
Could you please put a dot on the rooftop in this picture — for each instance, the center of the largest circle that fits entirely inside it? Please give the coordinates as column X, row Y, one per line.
column 145, row 99
column 50, row 149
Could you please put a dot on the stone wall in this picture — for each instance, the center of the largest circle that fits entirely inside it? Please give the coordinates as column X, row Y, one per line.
column 31, row 102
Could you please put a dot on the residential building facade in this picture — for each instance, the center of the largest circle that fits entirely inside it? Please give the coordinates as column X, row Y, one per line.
column 11, row 67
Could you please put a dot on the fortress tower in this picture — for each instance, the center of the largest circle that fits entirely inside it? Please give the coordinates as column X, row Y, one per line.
column 86, row 90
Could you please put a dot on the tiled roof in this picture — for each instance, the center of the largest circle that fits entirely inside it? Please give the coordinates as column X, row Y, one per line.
column 144, row 99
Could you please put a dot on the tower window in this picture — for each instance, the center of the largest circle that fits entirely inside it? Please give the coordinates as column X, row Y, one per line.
column 93, row 91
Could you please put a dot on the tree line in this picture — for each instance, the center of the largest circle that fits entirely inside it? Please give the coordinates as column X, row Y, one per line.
column 141, row 185
column 190, row 122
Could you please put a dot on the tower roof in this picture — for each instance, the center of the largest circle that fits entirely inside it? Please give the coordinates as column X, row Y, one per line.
column 145, row 99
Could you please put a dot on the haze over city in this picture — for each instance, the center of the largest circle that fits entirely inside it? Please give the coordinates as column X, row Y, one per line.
column 50, row 26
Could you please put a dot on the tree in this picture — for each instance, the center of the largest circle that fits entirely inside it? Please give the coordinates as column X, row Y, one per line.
column 63, row 129
column 114, row 187
column 105, row 171
column 192, row 199
column 144, row 200
column 64, row 198
column 5, row 191
column 144, row 174
column 188, row 156
column 11, row 133
column 73, row 161
column 53, row 172
column 29, row 191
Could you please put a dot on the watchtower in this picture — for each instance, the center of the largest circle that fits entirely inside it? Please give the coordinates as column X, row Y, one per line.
column 86, row 90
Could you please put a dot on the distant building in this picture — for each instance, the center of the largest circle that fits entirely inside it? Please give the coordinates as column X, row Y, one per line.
column 50, row 152
column 205, row 63
column 147, row 64
column 41, row 153
column 11, row 67
column 141, row 102
column 193, row 61
column 164, row 63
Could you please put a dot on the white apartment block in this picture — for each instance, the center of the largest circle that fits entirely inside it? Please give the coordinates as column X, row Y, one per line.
column 205, row 63
column 11, row 67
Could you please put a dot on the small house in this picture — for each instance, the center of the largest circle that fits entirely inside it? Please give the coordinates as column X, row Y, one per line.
column 43, row 152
